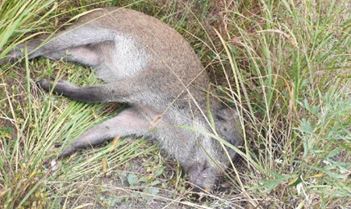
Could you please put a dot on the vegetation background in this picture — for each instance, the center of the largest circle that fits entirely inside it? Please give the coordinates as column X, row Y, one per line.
column 284, row 65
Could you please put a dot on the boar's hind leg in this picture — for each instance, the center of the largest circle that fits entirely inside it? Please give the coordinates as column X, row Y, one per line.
column 74, row 42
column 85, row 55
column 128, row 122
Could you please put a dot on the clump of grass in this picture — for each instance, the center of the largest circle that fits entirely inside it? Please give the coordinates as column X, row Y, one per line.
column 18, row 19
column 288, row 63
column 281, row 64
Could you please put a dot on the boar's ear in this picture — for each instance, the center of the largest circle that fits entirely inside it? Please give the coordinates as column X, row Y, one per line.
column 228, row 124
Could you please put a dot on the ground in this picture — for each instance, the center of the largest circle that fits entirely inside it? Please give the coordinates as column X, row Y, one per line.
column 283, row 65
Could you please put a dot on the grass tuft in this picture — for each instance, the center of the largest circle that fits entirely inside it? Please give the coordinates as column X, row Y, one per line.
column 283, row 65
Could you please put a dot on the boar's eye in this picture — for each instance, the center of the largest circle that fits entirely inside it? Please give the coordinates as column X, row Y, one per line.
column 220, row 118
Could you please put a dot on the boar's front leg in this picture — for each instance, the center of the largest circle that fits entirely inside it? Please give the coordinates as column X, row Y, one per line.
column 128, row 122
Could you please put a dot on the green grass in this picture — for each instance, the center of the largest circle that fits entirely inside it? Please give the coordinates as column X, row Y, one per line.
column 284, row 65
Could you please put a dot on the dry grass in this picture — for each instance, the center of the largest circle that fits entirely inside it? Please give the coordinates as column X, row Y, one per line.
column 284, row 65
